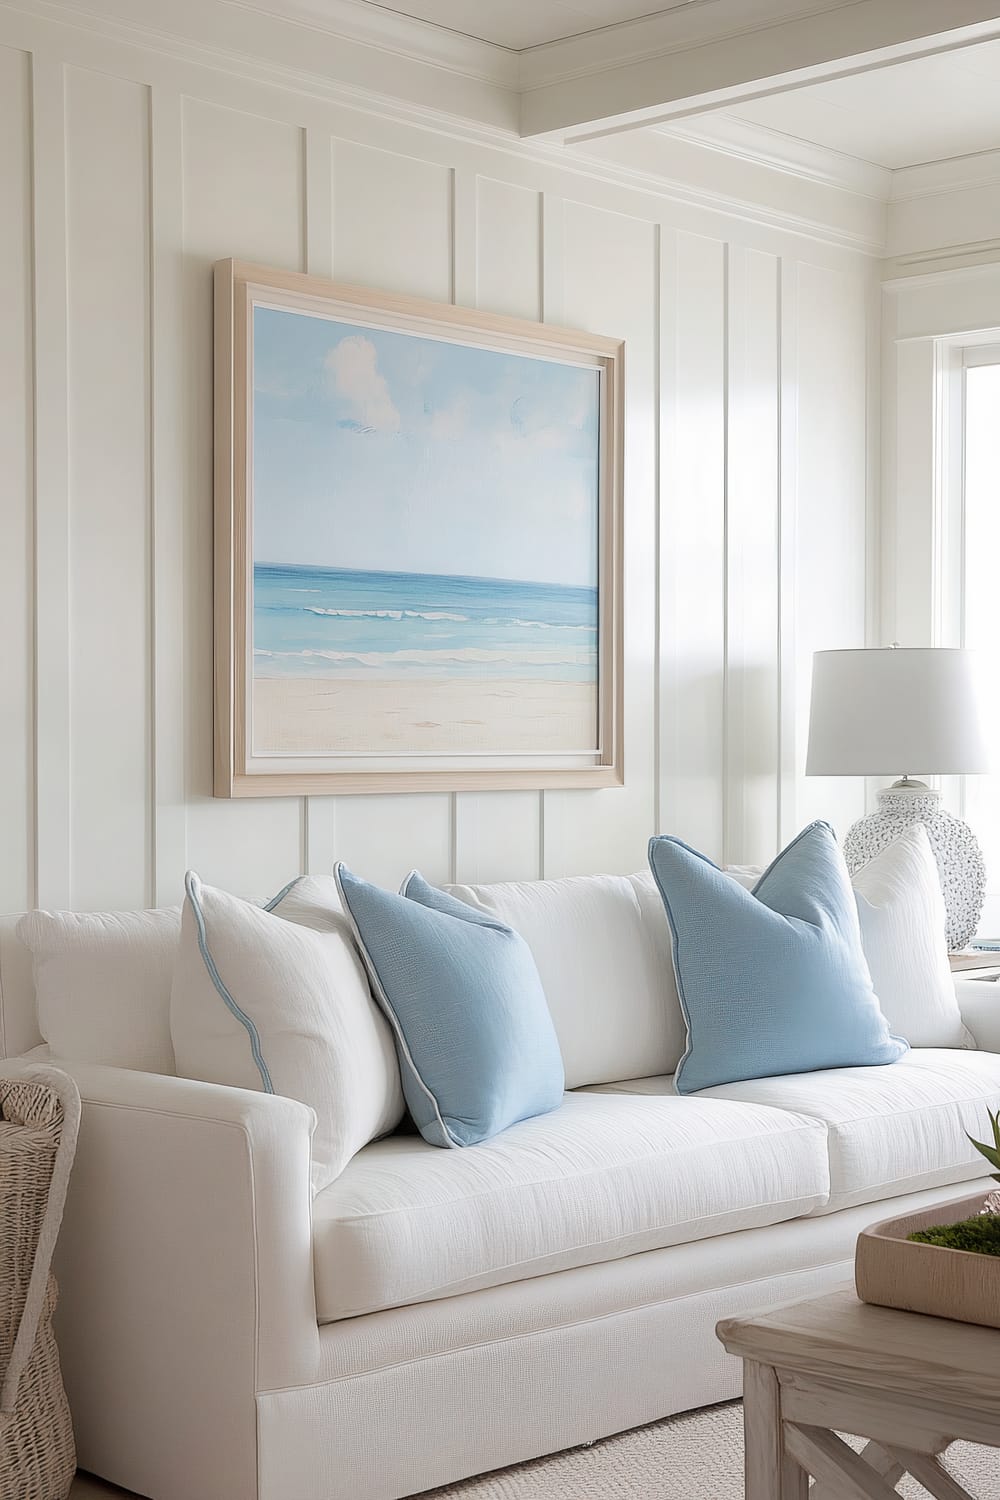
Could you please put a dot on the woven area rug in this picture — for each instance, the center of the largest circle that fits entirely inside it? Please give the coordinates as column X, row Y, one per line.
column 697, row 1456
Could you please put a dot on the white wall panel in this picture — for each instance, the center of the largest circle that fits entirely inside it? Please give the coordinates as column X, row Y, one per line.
column 752, row 518
column 107, row 263
column 509, row 240
column 392, row 221
column 745, row 534
column 692, row 627
column 243, row 196
column 831, row 508
column 608, row 830
column 17, row 795
column 384, row 838
column 53, row 729
column 910, row 528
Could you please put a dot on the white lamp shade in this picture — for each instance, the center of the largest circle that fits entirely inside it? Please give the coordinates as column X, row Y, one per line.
column 896, row 711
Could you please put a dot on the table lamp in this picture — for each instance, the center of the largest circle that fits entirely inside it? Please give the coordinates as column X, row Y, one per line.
column 875, row 711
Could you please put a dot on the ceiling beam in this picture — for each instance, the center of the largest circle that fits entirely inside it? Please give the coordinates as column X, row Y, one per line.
column 716, row 53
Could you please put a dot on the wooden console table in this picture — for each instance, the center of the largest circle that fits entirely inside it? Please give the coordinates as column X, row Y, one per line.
column 911, row 1384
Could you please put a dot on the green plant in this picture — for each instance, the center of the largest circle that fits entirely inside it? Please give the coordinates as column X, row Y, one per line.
column 981, row 1235
column 992, row 1153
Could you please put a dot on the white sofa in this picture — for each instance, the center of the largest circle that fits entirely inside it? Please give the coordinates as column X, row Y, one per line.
column 434, row 1314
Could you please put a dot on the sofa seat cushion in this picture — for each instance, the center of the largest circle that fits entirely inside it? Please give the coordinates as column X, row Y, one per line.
column 603, row 1176
column 891, row 1130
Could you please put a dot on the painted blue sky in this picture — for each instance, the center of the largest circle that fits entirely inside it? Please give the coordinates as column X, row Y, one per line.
column 387, row 451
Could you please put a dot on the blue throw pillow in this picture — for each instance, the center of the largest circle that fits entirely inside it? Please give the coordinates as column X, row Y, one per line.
column 477, row 1047
column 772, row 980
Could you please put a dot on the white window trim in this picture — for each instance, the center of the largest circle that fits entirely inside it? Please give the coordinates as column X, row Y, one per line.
column 953, row 357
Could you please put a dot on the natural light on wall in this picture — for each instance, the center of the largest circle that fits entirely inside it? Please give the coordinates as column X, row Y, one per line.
column 981, row 609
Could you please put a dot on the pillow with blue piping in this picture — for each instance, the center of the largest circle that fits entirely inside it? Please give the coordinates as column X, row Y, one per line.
column 771, row 980
column 476, row 1044
column 276, row 999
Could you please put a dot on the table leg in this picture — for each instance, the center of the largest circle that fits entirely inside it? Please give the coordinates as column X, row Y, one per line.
column 771, row 1473
column 875, row 1456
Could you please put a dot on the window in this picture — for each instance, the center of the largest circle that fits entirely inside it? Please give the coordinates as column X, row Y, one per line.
column 980, row 593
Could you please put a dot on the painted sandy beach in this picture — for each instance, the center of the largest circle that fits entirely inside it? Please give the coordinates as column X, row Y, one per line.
column 356, row 660
column 307, row 716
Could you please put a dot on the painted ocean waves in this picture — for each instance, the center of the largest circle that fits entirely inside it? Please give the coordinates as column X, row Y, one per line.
column 355, row 625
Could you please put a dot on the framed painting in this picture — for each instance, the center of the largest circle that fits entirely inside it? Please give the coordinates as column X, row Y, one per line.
column 418, row 519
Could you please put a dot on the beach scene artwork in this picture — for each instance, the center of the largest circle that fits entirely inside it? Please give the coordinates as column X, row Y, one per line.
column 425, row 545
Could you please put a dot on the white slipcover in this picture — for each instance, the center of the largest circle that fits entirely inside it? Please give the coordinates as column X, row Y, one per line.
column 603, row 1176
column 891, row 1130
column 102, row 984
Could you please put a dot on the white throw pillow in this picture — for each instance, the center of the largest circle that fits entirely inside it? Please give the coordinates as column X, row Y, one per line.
column 901, row 909
column 902, row 913
column 602, row 947
column 102, row 984
column 264, row 1003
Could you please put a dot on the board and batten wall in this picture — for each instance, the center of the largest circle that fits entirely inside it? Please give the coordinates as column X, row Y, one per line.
column 125, row 173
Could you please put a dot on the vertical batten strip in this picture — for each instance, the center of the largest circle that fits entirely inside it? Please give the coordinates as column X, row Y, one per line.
column 169, row 821
column 666, row 412
column 873, row 452
column 53, row 827
column 734, row 706
column 788, row 493
column 779, row 557
column 727, row 789
column 319, row 814
column 659, row 489
column 17, row 755
column 873, row 460
column 752, row 563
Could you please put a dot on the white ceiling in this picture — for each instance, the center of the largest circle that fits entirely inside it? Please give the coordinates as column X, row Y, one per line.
column 518, row 24
column 898, row 116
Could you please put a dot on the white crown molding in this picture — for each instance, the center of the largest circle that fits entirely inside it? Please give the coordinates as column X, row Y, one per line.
column 391, row 31
column 336, row 69
column 927, row 267
column 660, row 34
column 575, row 160
column 785, row 153
column 194, row 40
column 956, row 174
column 680, row 191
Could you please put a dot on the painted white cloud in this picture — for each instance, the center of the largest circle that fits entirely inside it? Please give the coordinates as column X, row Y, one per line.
column 352, row 366
column 451, row 422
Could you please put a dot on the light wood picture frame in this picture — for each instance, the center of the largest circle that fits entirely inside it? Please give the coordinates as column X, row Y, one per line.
column 418, row 544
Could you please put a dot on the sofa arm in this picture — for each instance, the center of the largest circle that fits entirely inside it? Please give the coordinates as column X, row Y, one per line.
column 979, row 1002
column 185, row 1275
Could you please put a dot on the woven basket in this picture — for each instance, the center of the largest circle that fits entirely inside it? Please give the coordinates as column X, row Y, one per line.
column 39, row 1119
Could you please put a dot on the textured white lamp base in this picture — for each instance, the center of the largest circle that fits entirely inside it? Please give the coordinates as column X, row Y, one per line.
column 956, row 849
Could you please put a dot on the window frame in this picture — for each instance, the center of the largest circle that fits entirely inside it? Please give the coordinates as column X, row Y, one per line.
column 955, row 356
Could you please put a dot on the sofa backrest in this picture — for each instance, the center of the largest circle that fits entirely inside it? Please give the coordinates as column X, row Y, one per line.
column 602, row 946
column 18, row 1018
